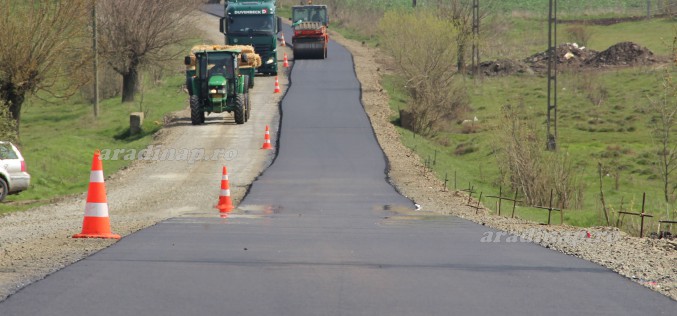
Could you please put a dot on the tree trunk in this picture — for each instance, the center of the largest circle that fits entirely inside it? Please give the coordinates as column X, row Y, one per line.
column 16, row 100
column 461, row 58
column 130, row 84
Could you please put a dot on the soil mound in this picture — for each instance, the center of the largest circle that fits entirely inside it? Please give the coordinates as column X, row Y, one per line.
column 503, row 67
column 568, row 54
column 623, row 54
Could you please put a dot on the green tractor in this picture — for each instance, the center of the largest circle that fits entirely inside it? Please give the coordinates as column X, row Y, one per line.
column 216, row 84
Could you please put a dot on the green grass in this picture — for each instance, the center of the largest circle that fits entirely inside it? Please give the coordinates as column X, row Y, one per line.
column 58, row 138
column 622, row 139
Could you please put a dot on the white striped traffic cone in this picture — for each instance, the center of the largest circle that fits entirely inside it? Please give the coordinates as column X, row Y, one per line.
column 225, row 203
column 96, row 223
column 266, row 140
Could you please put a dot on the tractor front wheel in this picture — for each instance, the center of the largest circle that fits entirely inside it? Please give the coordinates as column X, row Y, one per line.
column 197, row 115
column 239, row 111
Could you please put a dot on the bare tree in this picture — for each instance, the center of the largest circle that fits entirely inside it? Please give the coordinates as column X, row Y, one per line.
column 460, row 14
column 40, row 49
column 138, row 33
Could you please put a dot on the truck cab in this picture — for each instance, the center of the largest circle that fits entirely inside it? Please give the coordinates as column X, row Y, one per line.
column 253, row 22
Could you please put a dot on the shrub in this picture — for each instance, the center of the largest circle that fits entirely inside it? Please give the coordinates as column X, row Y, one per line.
column 579, row 34
column 419, row 43
column 527, row 166
column 7, row 125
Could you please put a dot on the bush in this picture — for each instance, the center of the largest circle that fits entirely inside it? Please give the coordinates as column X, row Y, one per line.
column 419, row 42
column 527, row 166
column 7, row 125
column 579, row 34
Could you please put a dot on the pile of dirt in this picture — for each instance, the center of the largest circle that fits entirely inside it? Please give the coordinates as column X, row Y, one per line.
column 571, row 55
column 568, row 55
column 623, row 54
column 503, row 67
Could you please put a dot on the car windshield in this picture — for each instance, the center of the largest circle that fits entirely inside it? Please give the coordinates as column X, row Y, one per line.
column 251, row 23
column 7, row 152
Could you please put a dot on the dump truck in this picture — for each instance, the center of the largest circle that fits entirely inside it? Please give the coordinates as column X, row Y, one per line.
column 310, row 39
column 253, row 22
column 218, row 78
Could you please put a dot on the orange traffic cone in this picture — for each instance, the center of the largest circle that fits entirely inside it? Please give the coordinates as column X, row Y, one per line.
column 286, row 61
column 96, row 223
column 282, row 43
column 266, row 142
column 225, row 203
column 277, row 86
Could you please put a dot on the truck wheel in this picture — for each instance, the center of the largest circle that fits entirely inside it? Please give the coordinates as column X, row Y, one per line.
column 247, row 83
column 239, row 109
column 246, row 98
column 250, row 82
column 197, row 115
column 4, row 189
column 248, row 106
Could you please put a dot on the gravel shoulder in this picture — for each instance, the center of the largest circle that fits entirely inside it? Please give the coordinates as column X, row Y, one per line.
column 37, row 242
column 650, row 262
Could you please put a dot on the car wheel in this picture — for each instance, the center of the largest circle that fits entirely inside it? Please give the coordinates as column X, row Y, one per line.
column 4, row 189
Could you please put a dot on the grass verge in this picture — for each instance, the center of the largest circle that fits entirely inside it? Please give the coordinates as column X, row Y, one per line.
column 58, row 138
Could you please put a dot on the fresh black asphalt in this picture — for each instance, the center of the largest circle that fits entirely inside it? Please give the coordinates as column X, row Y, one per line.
column 320, row 233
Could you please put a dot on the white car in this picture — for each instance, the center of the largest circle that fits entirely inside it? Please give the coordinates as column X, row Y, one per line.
column 13, row 175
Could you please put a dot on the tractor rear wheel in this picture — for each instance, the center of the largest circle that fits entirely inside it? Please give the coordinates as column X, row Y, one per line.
column 239, row 109
column 197, row 115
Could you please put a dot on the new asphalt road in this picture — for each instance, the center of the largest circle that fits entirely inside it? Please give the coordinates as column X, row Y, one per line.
column 322, row 232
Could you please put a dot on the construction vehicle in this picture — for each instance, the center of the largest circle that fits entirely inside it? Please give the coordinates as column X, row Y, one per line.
column 253, row 22
column 218, row 79
column 310, row 39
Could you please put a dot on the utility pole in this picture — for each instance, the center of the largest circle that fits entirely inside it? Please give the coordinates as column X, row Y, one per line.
column 476, row 37
column 95, row 39
column 414, row 3
column 648, row 9
column 552, row 77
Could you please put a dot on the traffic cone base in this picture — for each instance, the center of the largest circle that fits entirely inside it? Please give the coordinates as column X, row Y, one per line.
column 100, row 229
column 96, row 223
